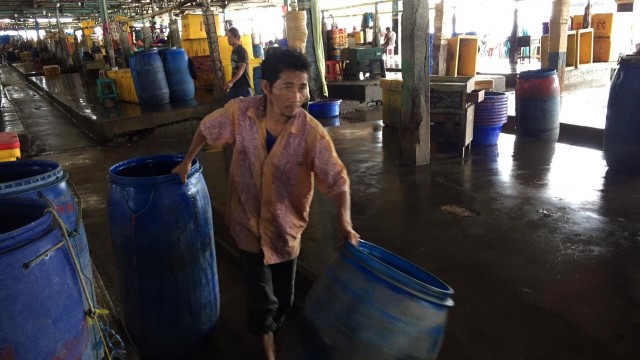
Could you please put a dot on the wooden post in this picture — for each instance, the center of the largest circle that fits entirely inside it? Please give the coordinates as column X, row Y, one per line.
column 214, row 50
column 558, row 37
column 414, row 123
column 439, row 41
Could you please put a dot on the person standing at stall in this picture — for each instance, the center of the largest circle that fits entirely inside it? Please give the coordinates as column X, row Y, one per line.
column 279, row 153
column 239, row 85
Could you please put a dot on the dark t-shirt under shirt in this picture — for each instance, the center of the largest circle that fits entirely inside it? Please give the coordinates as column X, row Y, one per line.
column 238, row 56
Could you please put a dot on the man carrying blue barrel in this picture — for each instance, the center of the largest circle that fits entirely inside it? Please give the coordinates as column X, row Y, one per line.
column 279, row 152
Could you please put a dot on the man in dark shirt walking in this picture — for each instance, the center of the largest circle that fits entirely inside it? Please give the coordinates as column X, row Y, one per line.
column 239, row 85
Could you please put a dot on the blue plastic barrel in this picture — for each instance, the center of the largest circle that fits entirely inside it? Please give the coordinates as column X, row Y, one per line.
column 176, row 69
column 149, row 78
column 162, row 236
column 622, row 128
column 41, row 302
column 46, row 180
column 538, row 105
column 257, row 77
column 371, row 304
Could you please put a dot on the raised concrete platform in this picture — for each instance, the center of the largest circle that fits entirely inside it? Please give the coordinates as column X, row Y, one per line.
column 80, row 101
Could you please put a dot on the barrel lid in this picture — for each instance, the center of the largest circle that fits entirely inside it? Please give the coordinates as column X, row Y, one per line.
column 537, row 74
column 630, row 59
column 9, row 140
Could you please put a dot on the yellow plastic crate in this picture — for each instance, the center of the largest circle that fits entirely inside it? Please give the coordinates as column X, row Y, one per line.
column 602, row 24
column 391, row 101
column 193, row 26
column 88, row 23
column 124, row 83
column 9, row 155
column 51, row 70
column 196, row 47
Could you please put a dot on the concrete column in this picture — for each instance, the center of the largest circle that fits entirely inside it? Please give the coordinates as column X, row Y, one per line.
column 414, row 123
column 214, row 50
column 440, row 43
column 394, row 24
column 558, row 37
column 513, row 40
column 106, row 33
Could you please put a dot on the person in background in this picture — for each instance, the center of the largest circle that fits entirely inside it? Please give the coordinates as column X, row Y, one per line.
column 239, row 85
column 389, row 41
column 279, row 152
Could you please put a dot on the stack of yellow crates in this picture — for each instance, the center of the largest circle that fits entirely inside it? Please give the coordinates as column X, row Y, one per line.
column 194, row 35
column 124, row 83
column 611, row 33
column 9, row 146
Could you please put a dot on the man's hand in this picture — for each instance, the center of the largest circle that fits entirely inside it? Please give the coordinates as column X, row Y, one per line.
column 228, row 85
column 347, row 233
column 182, row 169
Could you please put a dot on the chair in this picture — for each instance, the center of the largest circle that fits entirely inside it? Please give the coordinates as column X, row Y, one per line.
column 383, row 70
column 333, row 70
column 524, row 42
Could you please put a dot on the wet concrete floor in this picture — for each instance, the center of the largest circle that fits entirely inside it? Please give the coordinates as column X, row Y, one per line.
column 545, row 269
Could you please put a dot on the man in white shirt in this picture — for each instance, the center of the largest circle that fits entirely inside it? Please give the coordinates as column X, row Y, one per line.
column 389, row 41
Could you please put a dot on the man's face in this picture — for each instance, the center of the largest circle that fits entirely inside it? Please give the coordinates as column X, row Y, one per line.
column 288, row 93
column 232, row 40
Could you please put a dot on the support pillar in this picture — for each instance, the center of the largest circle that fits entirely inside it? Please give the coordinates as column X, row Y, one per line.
column 394, row 24
column 513, row 40
column 317, row 85
column 414, row 123
column 106, row 33
column 440, row 43
column 214, row 50
column 558, row 37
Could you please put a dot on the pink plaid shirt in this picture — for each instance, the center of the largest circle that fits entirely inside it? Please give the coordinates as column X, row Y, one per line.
column 270, row 193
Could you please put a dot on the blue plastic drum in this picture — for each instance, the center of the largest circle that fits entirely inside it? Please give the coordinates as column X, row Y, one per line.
column 42, row 313
column 162, row 236
column 371, row 304
column 149, row 78
column 176, row 69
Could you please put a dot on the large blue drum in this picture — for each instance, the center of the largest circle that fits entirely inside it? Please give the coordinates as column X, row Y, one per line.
column 162, row 236
column 46, row 180
column 149, row 78
column 538, row 105
column 176, row 69
column 41, row 301
column 371, row 304
column 622, row 129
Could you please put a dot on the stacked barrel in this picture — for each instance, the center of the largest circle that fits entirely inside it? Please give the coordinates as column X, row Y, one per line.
column 337, row 41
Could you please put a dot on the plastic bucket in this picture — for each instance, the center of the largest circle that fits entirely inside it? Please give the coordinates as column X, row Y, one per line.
column 487, row 134
column 325, row 108
column 371, row 304
column 538, row 105
column 149, row 78
column 492, row 110
column 176, row 69
column 162, row 236
column 41, row 302
column 622, row 128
